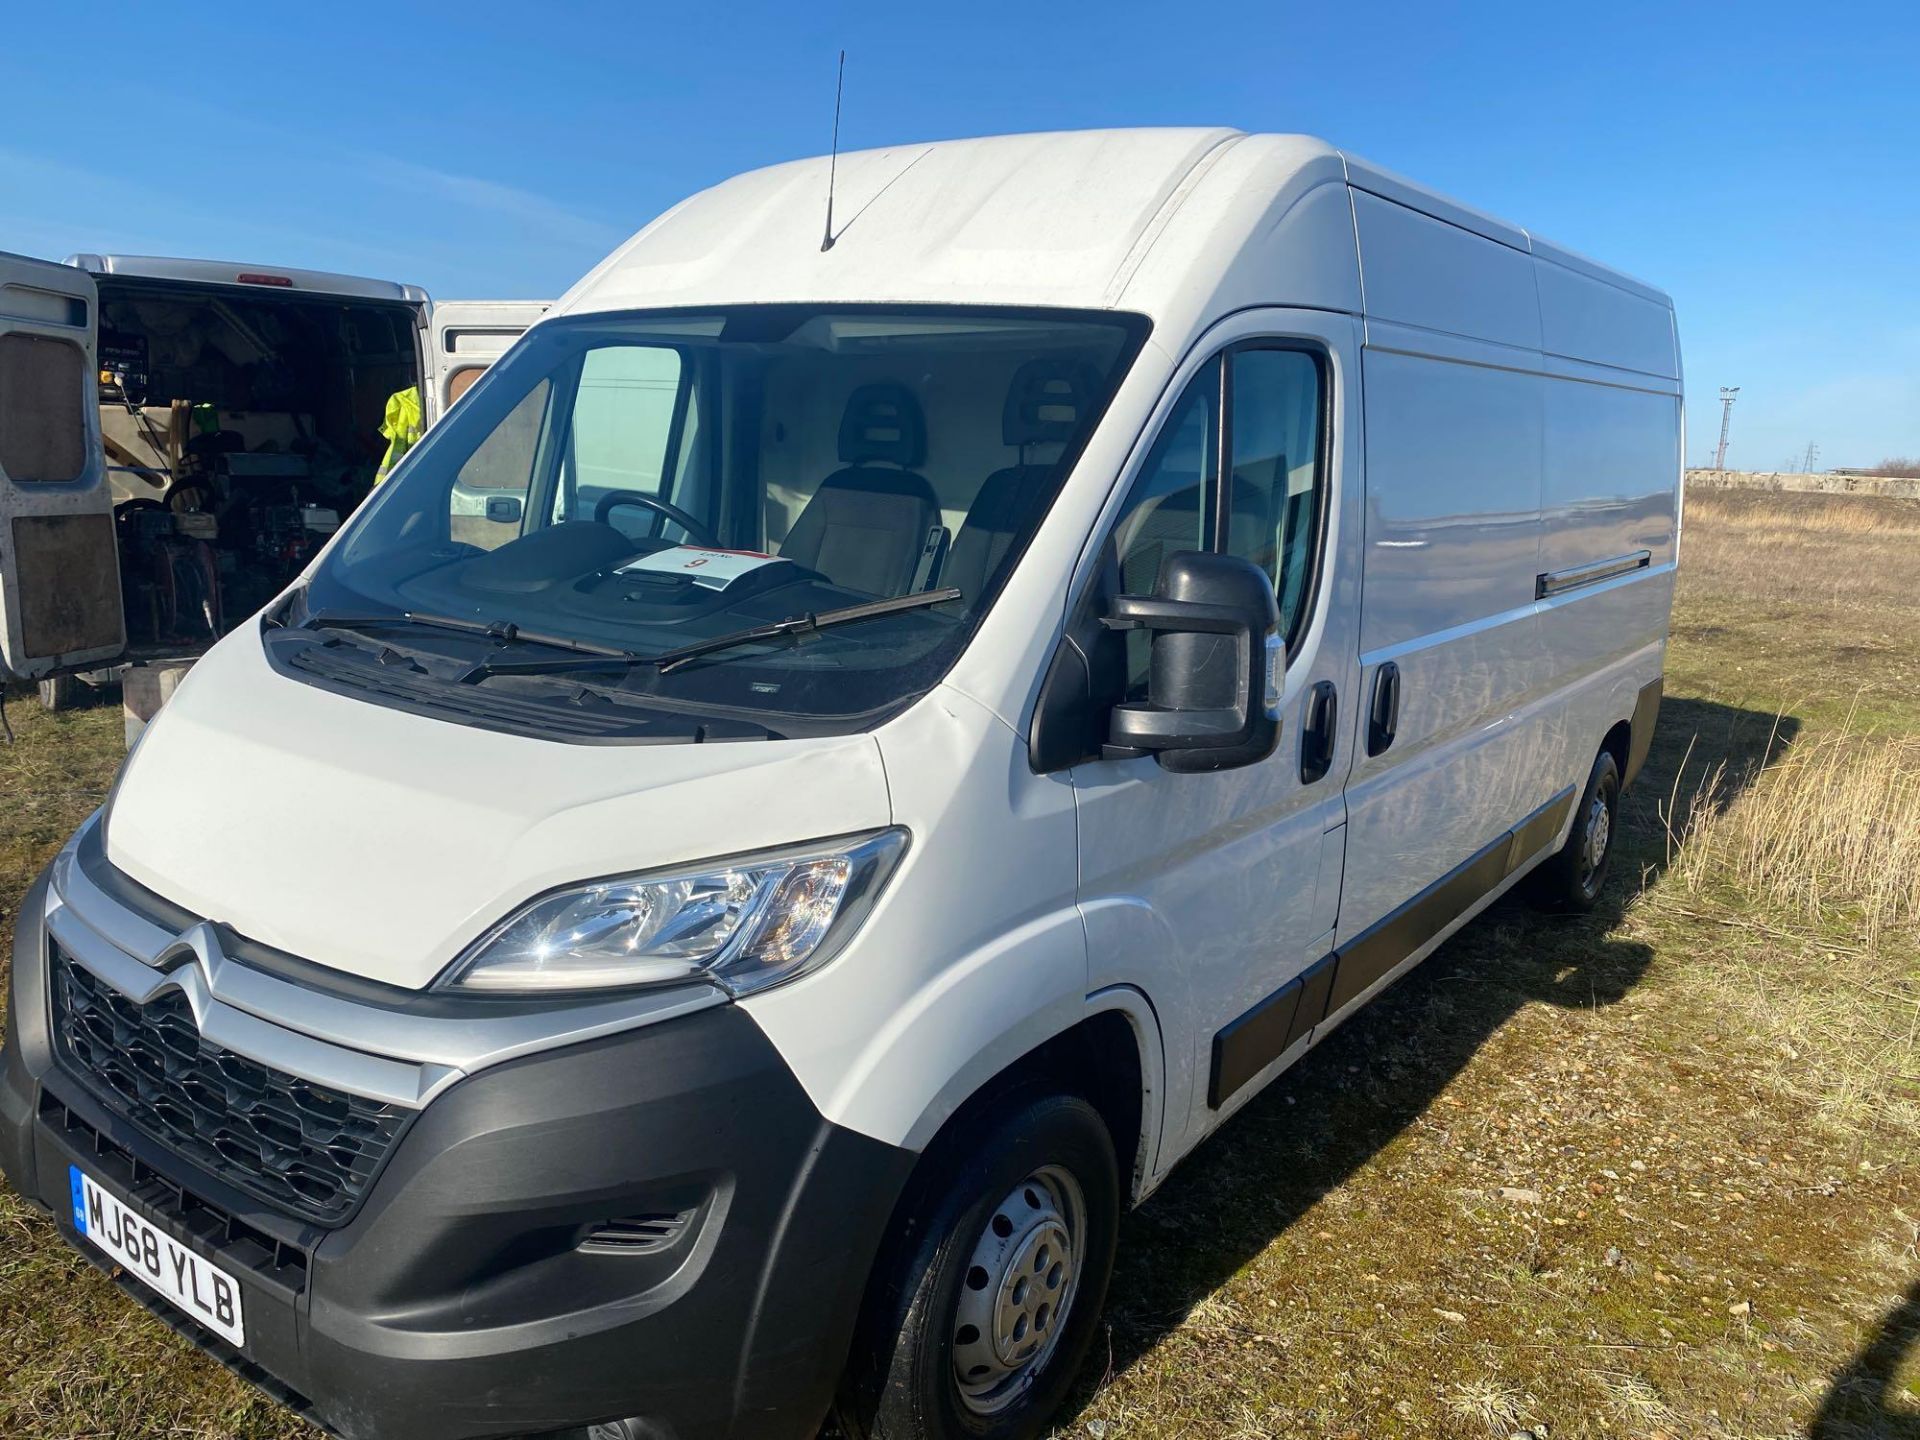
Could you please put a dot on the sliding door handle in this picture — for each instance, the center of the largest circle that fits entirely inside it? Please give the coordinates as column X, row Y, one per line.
column 1383, row 719
column 1317, row 735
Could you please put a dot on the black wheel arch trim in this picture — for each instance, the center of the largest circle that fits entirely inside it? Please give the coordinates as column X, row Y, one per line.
column 1646, row 715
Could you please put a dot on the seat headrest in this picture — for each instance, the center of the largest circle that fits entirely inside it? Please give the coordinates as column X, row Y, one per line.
column 1049, row 398
column 883, row 422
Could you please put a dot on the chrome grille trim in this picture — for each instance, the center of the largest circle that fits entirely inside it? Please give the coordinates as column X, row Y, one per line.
column 389, row 1082
column 306, row 1149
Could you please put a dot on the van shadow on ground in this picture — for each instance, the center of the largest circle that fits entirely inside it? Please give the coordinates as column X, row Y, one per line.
column 1862, row 1401
column 1351, row 1096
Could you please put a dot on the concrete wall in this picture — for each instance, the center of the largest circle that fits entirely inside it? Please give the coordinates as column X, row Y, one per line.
column 1807, row 484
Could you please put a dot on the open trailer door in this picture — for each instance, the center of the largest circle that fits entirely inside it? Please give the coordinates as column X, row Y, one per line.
column 464, row 337
column 59, row 567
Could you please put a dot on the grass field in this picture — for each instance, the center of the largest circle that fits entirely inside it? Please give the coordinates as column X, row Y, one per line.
column 1647, row 1173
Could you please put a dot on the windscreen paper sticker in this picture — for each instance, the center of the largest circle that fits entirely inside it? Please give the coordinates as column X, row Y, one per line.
column 715, row 569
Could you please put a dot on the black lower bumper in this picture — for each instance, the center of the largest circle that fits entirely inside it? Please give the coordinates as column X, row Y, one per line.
column 469, row 1296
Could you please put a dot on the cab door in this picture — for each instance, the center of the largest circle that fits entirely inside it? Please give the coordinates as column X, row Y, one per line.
column 464, row 337
column 59, row 563
column 1216, row 894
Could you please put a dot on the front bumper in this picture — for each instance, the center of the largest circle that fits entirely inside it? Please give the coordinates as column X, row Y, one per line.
column 462, row 1298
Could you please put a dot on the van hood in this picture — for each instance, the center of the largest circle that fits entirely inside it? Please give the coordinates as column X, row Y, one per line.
column 382, row 843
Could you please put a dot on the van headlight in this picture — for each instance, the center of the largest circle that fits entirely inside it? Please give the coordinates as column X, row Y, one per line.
column 743, row 924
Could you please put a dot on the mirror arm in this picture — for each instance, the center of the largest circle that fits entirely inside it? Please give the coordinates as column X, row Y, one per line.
column 1150, row 612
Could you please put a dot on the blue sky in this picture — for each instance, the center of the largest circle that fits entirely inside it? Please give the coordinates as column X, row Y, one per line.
column 1761, row 162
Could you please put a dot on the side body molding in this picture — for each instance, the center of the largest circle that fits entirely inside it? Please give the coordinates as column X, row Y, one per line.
column 1244, row 1048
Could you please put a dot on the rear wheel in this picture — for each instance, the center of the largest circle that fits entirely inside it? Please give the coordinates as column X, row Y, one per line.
column 990, row 1285
column 1572, row 879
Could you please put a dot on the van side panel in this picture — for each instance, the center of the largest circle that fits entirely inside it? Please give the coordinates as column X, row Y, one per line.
column 1612, row 492
column 1421, row 271
column 1612, row 455
column 1522, row 414
column 1453, row 530
column 1453, row 540
column 1602, row 320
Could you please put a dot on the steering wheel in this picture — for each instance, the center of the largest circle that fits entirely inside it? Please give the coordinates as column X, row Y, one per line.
column 613, row 499
column 192, row 485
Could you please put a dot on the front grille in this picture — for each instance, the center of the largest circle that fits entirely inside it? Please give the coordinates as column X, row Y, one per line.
column 302, row 1147
column 237, row 1244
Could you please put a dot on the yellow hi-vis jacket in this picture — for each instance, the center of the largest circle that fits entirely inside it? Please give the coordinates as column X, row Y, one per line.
column 401, row 427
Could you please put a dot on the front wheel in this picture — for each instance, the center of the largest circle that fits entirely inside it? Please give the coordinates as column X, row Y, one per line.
column 1572, row 879
column 992, row 1280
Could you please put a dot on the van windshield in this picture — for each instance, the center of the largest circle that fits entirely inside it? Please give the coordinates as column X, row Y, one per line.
column 640, row 484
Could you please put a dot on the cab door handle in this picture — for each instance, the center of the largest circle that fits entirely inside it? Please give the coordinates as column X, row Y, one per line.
column 1317, row 736
column 1384, row 717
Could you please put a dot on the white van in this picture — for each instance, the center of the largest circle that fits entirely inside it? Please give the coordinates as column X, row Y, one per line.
column 238, row 413
column 929, row 721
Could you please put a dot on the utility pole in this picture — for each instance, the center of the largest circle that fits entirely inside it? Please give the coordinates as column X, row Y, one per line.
column 1813, row 454
column 1727, row 392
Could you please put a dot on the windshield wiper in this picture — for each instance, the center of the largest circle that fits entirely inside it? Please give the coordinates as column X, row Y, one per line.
column 588, row 656
column 505, row 631
column 806, row 624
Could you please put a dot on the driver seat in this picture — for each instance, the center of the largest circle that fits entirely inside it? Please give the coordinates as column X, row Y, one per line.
column 869, row 524
column 1048, row 403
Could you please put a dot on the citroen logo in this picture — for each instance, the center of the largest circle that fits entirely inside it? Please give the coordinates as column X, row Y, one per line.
column 198, row 944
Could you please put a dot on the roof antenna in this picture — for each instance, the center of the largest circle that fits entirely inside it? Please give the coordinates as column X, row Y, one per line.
column 833, row 159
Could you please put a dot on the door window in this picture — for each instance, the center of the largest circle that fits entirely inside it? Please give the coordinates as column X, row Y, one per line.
column 1265, row 467
column 1276, row 468
column 1166, row 510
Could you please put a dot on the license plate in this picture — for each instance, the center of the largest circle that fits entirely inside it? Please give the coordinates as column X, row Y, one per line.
column 150, row 1255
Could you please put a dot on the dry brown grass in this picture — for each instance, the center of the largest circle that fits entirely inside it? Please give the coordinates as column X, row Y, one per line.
column 1830, row 831
column 1735, row 519
column 1796, row 853
column 1786, row 554
column 1803, row 604
column 1806, row 859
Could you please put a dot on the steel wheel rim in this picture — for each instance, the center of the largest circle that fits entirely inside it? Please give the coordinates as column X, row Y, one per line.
column 1018, row 1289
column 1597, row 837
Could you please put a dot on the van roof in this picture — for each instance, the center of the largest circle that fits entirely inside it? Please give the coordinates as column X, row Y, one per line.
column 273, row 278
column 1178, row 224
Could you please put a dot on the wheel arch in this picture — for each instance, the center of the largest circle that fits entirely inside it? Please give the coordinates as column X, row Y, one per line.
column 1111, row 1056
column 1619, row 743
column 1635, row 734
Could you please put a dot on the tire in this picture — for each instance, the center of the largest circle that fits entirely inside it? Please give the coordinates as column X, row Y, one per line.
column 1570, row 881
column 998, row 1203
column 62, row 692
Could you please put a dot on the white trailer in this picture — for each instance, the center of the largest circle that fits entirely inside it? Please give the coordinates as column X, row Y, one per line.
column 229, row 418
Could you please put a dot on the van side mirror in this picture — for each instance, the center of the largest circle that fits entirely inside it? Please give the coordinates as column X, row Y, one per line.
column 1214, row 670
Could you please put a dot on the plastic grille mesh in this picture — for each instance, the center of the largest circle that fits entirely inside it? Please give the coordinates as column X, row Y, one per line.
column 305, row 1148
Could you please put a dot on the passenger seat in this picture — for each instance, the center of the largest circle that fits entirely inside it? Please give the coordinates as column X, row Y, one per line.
column 1046, row 404
column 868, row 525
